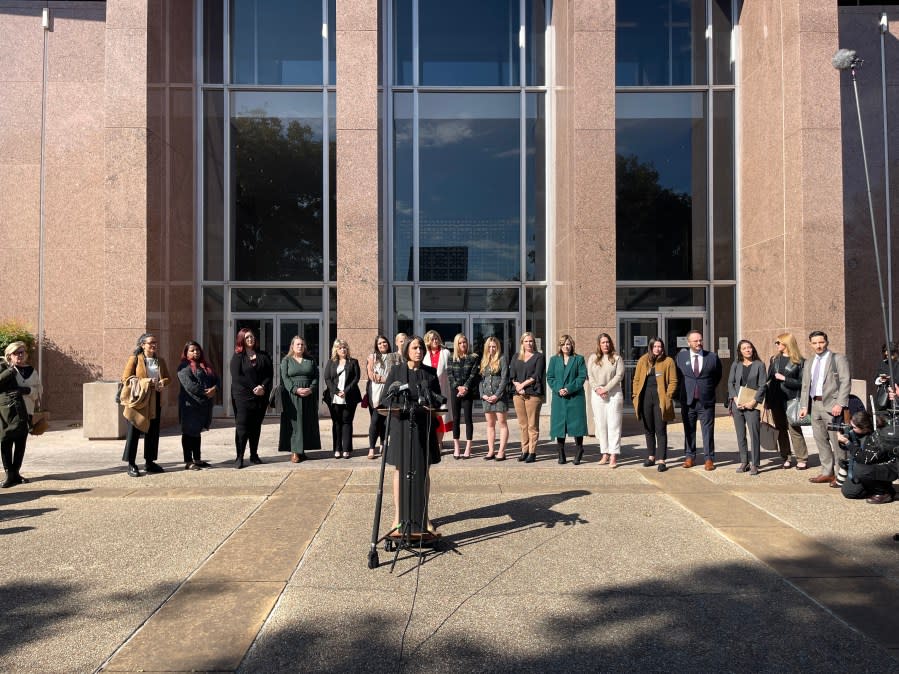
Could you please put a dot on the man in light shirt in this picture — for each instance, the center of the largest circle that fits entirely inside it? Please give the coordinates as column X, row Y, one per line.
column 825, row 393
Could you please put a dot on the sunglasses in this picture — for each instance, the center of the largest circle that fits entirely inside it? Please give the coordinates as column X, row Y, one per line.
column 777, row 343
column 20, row 352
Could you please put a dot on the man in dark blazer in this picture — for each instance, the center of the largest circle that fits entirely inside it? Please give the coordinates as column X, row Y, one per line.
column 825, row 394
column 700, row 372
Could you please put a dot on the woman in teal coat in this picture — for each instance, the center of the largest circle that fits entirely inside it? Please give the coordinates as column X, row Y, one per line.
column 566, row 375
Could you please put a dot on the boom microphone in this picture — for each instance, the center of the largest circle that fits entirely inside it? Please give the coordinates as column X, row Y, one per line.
column 845, row 58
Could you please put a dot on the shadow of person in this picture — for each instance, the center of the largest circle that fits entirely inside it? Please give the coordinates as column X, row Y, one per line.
column 518, row 514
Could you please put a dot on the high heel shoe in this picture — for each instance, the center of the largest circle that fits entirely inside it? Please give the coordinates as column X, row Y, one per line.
column 532, row 458
column 523, row 456
column 254, row 458
column 662, row 467
column 650, row 461
column 238, row 462
column 488, row 457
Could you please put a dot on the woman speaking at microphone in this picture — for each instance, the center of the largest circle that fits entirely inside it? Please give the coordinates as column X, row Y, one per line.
column 413, row 430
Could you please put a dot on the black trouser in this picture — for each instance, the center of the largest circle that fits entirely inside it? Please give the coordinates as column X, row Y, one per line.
column 654, row 425
column 342, row 426
column 376, row 427
column 190, row 445
column 457, row 405
column 250, row 416
column 151, row 441
column 13, row 453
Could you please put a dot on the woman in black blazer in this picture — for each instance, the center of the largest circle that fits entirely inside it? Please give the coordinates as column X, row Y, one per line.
column 342, row 395
column 747, row 370
column 251, row 383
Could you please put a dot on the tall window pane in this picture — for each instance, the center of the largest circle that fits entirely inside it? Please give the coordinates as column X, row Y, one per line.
column 535, row 174
column 722, row 27
column 661, row 186
column 535, row 28
column 723, row 191
column 469, row 42
column 213, row 31
column 276, row 41
column 660, row 42
column 332, row 184
column 276, row 146
column 470, row 215
column 402, row 188
column 213, row 185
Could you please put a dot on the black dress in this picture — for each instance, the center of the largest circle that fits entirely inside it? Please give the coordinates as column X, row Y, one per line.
column 412, row 441
column 249, row 409
column 425, row 423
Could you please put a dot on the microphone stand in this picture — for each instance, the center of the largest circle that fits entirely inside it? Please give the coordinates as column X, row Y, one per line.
column 376, row 525
column 886, row 328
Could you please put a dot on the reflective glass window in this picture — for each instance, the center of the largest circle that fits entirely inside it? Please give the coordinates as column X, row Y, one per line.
column 402, row 188
column 723, row 185
column 213, row 185
column 404, row 309
column 660, row 42
column 277, row 186
column 469, row 42
column 470, row 299
column 652, row 297
column 402, row 42
column 469, row 166
column 661, row 186
column 332, row 42
column 276, row 41
column 535, row 313
column 535, row 189
column 722, row 29
column 332, row 184
column 276, row 299
column 213, row 33
column 535, row 29
column 214, row 332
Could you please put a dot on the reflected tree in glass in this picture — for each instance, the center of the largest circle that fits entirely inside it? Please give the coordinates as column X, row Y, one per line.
column 277, row 198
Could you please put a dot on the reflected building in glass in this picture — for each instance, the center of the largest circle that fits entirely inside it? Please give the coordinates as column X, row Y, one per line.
column 344, row 168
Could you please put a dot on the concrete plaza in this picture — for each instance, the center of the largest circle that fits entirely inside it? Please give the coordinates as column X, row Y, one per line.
column 545, row 567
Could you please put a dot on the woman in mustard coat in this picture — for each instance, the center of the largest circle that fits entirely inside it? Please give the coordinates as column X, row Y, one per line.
column 654, row 403
column 565, row 375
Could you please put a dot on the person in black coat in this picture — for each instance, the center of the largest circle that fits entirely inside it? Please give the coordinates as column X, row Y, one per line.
column 251, row 383
column 199, row 386
column 419, row 448
column 785, row 375
column 341, row 377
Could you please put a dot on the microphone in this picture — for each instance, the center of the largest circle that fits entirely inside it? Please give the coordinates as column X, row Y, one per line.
column 396, row 389
column 845, row 58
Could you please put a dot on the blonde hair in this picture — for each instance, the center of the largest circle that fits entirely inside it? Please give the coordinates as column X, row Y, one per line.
column 12, row 348
column 491, row 363
column 430, row 334
column 521, row 344
column 337, row 344
column 613, row 358
column 561, row 343
column 458, row 338
column 789, row 341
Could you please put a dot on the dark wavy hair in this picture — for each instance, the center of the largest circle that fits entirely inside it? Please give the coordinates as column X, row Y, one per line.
column 140, row 343
column 652, row 343
column 202, row 362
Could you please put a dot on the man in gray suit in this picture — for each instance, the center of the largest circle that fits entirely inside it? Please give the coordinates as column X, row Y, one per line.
column 825, row 392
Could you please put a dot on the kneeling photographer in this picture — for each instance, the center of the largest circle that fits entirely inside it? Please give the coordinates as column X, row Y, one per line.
column 871, row 467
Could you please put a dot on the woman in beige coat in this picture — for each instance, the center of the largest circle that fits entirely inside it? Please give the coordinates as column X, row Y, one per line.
column 653, row 404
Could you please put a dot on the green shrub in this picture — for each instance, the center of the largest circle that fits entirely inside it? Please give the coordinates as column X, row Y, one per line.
column 13, row 331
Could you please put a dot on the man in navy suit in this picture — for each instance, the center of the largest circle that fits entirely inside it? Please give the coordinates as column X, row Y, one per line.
column 700, row 372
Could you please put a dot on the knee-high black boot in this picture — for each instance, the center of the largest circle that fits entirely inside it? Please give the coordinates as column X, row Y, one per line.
column 562, row 458
column 580, row 450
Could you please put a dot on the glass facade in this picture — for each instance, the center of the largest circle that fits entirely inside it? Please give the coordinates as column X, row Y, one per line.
column 268, row 169
column 675, row 177
column 467, row 160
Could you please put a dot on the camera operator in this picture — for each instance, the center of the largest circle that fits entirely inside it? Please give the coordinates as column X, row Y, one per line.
column 870, row 480
column 884, row 375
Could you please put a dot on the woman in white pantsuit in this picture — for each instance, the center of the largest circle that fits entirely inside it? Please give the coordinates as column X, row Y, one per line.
column 605, row 370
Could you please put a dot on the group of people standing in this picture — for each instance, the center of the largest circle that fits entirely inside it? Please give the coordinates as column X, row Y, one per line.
column 793, row 393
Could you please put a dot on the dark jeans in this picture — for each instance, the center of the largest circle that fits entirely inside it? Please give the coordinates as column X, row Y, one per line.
column 342, row 426
column 376, row 428
column 190, row 445
column 655, row 427
column 461, row 405
column 705, row 414
column 151, row 441
column 13, row 453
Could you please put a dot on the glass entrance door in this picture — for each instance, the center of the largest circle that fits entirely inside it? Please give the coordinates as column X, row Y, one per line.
column 635, row 331
column 275, row 332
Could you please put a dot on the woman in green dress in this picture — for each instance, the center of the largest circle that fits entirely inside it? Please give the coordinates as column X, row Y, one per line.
column 566, row 375
column 299, row 378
